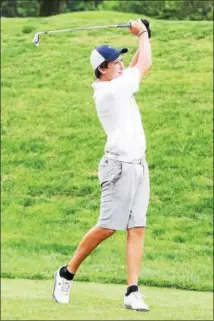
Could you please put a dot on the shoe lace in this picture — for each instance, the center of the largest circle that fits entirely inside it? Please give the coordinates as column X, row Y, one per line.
column 138, row 295
column 65, row 286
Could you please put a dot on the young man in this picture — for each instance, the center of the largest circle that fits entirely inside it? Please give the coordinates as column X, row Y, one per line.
column 123, row 171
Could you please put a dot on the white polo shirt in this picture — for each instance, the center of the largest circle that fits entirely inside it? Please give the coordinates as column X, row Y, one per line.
column 119, row 115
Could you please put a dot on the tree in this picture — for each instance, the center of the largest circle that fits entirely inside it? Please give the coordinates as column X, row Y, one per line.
column 164, row 9
column 51, row 7
column 81, row 5
column 28, row 8
column 9, row 8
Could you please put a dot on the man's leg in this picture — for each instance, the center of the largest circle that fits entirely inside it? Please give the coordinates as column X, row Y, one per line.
column 133, row 299
column 88, row 243
column 134, row 253
column 65, row 274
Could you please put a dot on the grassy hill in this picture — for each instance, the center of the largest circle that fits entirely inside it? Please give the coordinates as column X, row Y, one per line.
column 52, row 142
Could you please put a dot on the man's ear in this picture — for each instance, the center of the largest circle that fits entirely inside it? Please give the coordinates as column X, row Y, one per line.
column 102, row 70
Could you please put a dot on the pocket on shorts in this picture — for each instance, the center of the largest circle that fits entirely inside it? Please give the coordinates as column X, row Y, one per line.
column 109, row 171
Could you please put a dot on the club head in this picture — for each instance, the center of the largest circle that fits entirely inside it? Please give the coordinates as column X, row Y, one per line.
column 36, row 39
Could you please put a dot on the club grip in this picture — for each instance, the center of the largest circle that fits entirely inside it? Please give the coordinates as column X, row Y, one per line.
column 125, row 25
column 146, row 23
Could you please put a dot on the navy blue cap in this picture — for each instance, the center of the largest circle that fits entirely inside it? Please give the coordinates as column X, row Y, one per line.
column 105, row 53
column 110, row 53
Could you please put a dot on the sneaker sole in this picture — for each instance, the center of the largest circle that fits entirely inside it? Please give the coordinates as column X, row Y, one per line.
column 130, row 308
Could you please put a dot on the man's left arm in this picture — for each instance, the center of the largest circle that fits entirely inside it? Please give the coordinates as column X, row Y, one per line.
column 136, row 55
column 134, row 59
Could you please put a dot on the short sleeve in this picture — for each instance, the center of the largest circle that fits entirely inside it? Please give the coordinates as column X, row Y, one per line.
column 128, row 83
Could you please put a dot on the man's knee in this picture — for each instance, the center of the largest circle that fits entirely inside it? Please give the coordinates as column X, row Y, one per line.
column 136, row 231
column 106, row 232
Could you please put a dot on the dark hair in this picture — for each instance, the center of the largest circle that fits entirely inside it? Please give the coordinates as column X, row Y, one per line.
column 97, row 73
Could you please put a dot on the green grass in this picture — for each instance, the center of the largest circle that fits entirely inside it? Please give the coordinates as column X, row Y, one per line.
column 52, row 142
column 34, row 302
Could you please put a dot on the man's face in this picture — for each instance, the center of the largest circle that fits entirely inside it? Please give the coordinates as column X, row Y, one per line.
column 114, row 70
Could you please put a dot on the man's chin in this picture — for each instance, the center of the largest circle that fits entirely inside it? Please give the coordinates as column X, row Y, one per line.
column 118, row 75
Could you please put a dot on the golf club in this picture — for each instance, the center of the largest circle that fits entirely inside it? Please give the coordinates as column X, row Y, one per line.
column 36, row 39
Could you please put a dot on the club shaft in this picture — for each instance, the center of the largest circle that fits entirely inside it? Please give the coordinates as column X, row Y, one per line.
column 85, row 28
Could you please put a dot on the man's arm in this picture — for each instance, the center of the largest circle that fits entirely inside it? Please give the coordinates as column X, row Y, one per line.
column 134, row 59
column 129, row 82
column 144, row 60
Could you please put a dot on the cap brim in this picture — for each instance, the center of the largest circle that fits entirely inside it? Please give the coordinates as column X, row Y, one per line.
column 123, row 50
column 117, row 53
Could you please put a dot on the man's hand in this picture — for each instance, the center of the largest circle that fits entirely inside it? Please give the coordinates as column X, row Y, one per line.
column 140, row 25
column 143, row 58
column 137, row 26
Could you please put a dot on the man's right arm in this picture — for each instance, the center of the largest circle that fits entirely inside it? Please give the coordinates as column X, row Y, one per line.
column 144, row 61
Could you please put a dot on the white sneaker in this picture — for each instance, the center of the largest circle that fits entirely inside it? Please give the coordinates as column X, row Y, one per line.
column 62, row 288
column 135, row 301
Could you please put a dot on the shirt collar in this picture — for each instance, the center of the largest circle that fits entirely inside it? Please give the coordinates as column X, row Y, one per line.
column 100, row 84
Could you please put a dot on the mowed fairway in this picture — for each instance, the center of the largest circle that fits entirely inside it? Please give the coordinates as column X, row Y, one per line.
column 52, row 142
column 32, row 300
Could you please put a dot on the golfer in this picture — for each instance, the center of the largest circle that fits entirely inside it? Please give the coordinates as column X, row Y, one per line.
column 123, row 170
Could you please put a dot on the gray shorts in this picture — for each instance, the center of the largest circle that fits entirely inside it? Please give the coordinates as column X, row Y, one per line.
column 124, row 194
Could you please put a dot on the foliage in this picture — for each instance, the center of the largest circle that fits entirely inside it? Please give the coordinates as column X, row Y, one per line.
column 165, row 9
column 76, row 5
column 28, row 8
column 9, row 8
column 23, row 8
column 19, row 8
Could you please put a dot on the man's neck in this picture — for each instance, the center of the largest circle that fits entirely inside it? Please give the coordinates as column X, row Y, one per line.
column 103, row 78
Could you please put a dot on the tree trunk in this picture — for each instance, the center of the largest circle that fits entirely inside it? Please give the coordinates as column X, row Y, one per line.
column 51, row 7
